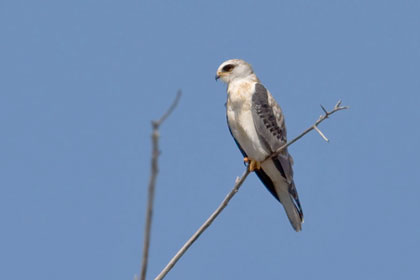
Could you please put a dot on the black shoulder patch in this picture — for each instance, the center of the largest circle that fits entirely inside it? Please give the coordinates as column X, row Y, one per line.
column 260, row 96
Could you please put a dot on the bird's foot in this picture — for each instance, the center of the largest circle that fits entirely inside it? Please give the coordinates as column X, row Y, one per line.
column 252, row 164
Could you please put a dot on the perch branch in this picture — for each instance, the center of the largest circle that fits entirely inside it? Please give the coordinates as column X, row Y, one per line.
column 336, row 108
column 238, row 184
column 204, row 226
column 152, row 182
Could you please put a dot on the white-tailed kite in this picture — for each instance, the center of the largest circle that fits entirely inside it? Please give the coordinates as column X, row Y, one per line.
column 257, row 125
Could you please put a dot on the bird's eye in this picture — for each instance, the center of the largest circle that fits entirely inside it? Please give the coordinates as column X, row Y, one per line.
column 228, row 68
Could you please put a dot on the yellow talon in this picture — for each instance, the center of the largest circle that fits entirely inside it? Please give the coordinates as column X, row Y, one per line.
column 252, row 164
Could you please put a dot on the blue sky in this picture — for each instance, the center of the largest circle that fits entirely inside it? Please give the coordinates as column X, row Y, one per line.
column 81, row 80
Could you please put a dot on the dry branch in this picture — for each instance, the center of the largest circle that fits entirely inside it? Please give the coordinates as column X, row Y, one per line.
column 337, row 108
column 206, row 224
column 238, row 184
column 152, row 183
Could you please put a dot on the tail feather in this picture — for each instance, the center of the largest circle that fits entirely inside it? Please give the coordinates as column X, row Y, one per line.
column 293, row 210
column 284, row 191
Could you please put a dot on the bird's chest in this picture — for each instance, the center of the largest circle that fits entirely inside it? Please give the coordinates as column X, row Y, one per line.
column 241, row 122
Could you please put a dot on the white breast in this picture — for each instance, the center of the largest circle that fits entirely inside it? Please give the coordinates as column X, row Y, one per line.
column 240, row 118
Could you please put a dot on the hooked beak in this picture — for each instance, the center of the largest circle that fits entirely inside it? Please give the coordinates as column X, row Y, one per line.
column 219, row 75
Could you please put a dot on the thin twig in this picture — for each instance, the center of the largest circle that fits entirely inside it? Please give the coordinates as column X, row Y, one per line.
column 238, row 183
column 152, row 182
column 170, row 109
column 320, row 133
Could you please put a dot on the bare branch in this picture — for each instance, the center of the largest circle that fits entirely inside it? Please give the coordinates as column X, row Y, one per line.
column 152, row 182
column 323, row 109
column 169, row 111
column 338, row 104
column 204, row 226
column 337, row 108
column 238, row 183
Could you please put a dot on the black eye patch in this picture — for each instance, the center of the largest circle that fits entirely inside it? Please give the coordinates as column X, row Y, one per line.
column 228, row 68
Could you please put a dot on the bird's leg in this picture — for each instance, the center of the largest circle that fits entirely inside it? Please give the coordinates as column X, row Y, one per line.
column 252, row 164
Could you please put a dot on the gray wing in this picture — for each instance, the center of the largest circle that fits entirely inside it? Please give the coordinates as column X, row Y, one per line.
column 270, row 126
column 271, row 129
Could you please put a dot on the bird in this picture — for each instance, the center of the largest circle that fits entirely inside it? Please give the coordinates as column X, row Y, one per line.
column 257, row 125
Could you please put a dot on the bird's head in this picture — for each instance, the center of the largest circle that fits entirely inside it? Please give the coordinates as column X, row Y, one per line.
column 233, row 69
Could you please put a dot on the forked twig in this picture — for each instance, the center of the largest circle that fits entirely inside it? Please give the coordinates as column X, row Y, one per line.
column 337, row 108
column 238, row 183
column 152, row 183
